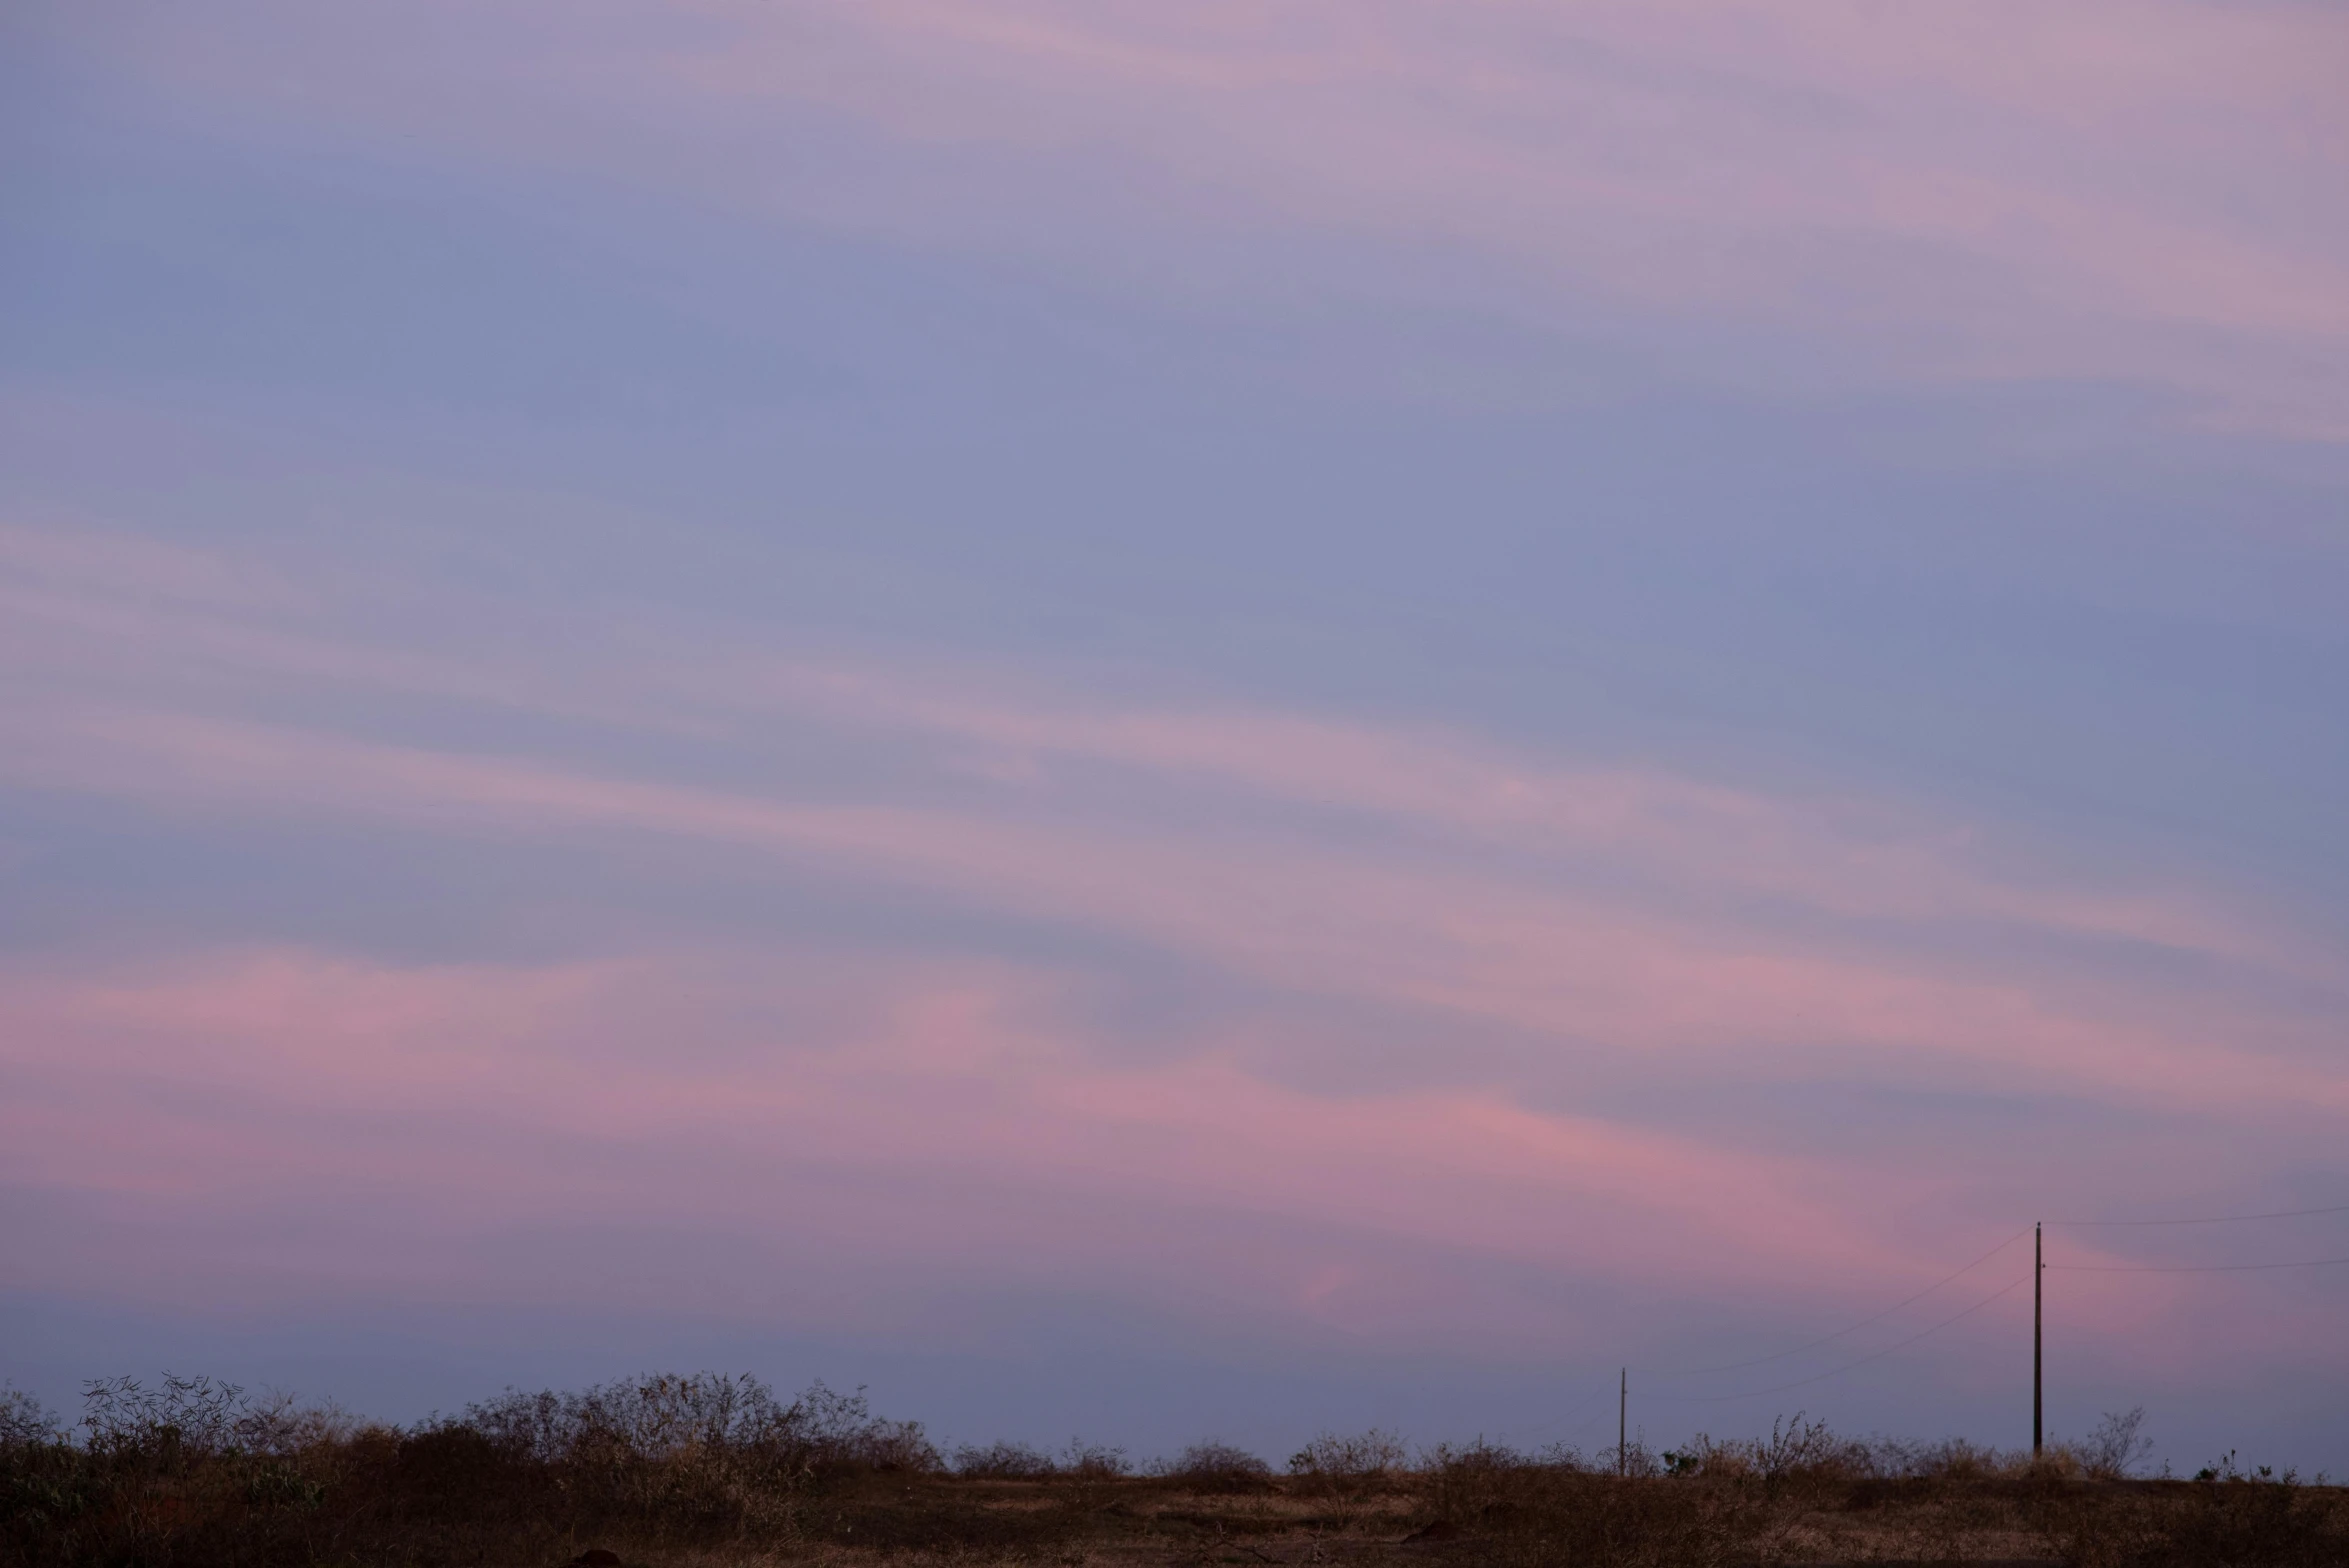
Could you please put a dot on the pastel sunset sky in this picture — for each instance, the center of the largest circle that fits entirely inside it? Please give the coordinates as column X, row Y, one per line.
column 1179, row 720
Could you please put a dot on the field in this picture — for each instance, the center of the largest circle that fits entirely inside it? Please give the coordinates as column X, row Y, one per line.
column 713, row 1471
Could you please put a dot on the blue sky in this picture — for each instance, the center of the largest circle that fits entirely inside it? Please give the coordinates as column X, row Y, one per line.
column 1170, row 724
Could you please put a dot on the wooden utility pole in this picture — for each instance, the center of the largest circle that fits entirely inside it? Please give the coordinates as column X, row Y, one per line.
column 2038, row 1300
column 1622, row 1406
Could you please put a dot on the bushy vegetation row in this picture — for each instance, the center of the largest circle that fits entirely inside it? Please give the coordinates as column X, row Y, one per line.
column 192, row 1471
column 711, row 1468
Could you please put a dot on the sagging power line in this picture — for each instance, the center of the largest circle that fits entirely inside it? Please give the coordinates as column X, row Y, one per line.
column 1751, row 1393
column 2192, row 1268
column 1826, row 1339
column 2215, row 1219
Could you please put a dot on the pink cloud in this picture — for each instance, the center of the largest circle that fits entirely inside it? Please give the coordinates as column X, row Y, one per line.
column 1395, row 926
column 484, row 1094
column 2141, row 192
column 1589, row 934
column 105, row 642
column 885, row 1120
column 1619, row 909
column 1846, row 855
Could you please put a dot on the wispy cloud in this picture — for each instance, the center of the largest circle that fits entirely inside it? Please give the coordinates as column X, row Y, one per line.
column 1621, row 913
column 1395, row 926
column 1998, row 191
column 866, row 1113
column 1396, row 672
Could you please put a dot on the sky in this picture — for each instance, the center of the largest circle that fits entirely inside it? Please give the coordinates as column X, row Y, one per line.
column 1163, row 722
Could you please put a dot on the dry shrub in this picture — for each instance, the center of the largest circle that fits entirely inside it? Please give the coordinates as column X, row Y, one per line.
column 1347, row 1464
column 1216, row 1469
column 2114, row 1448
column 2271, row 1523
column 1951, row 1459
column 709, row 1453
column 1482, row 1486
column 1002, row 1461
column 666, row 1417
column 189, row 1468
column 193, row 1471
column 24, row 1421
column 1085, row 1461
column 1799, row 1458
column 1009, row 1461
column 716, row 1471
column 2238, row 1523
column 1555, row 1509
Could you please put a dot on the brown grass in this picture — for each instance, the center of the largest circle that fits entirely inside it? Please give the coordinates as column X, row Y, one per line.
column 714, row 1472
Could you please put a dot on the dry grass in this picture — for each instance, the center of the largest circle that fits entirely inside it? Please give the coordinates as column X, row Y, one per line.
column 714, row 1472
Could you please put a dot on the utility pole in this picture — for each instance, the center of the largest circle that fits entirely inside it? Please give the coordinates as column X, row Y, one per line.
column 2038, row 1299
column 1622, row 1406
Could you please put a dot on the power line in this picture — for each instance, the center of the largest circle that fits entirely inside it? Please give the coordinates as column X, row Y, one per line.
column 1571, row 1421
column 2190, row 1268
column 1947, row 1279
column 2218, row 1219
column 1736, row 1366
column 1755, row 1393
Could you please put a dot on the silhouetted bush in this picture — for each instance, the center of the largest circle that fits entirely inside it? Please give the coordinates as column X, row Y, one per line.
column 1091, row 1461
column 2114, row 1448
column 2269, row 1523
column 1346, row 1462
column 25, row 1421
column 1218, row 1469
column 711, row 1469
column 1001, row 1461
